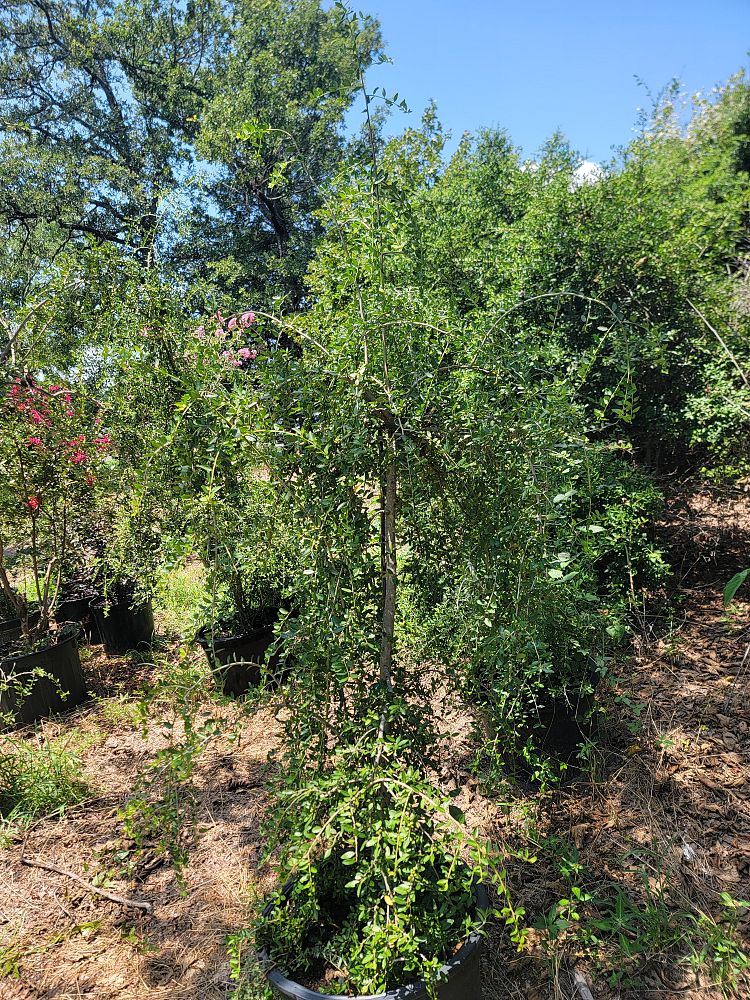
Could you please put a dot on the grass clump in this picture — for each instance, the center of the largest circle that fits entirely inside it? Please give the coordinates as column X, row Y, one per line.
column 181, row 592
column 37, row 780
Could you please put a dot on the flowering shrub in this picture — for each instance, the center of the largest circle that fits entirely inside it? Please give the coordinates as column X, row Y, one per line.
column 224, row 509
column 225, row 339
column 50, row 458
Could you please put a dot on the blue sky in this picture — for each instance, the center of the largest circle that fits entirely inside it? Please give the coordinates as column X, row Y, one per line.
column 535, row 67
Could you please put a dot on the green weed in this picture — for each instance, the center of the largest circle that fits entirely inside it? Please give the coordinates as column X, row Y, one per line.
column 624, row 932
column 37, row 779
column 119, row 710
column 181, row 590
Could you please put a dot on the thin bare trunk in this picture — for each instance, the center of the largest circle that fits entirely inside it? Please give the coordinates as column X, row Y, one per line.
column 388, row 559
column 16, row 601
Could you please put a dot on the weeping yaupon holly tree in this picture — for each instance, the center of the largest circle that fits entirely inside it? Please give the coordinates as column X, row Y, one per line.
column 418, row 463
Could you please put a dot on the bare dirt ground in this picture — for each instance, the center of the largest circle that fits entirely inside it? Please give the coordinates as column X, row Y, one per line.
column 667, row 792
column 71, row 943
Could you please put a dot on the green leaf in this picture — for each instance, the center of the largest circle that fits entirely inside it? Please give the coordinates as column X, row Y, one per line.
column 734, row 585
column 562, row 497
column 456, row 813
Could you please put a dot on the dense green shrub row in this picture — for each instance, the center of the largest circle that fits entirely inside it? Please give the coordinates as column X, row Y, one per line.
column 426, row 440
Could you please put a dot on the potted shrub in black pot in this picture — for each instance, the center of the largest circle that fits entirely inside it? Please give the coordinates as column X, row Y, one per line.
column 250, row 582
column 48, row 461
column 127, row 532
column 382, row 433
column 74, row 605
column 123, row 618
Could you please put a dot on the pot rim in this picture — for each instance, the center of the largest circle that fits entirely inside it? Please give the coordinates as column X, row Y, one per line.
column 72, row 633
column 99, row 603
column 210, row 635
column 411, row 991
column 89, row 596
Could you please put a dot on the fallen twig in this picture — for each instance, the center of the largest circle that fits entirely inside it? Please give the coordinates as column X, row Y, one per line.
column 138, row 904
column 581, row 987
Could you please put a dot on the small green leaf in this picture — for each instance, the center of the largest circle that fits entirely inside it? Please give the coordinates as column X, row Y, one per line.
column 734, row 585
column 562, row 497
column 456, row 813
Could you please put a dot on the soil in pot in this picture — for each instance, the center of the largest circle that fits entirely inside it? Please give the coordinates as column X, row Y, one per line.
column 121, row 627
column 460, row 976
column 62, row 686
column 237, row 659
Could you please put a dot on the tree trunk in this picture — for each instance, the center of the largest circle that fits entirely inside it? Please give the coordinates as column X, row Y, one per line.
column 388, row 559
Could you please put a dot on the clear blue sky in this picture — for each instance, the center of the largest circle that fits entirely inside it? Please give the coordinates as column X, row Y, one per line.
column 533, row 67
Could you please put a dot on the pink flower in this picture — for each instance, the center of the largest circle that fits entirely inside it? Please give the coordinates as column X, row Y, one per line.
column 70, row 413
column 32, row 503
column 220, row 333
column 67, row 396
column 34, row 442
column 36, row 417
column 200, row 333
column 78, row 457
column 103, row 442
column 55, row 388
column 247, row 354
column 232, row 324
column 247, row 318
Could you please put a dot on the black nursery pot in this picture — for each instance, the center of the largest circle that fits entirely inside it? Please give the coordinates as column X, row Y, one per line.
column 61, row 661
column 460, row 977
column 10, row 628
column 564, row 723
column 77, row 610
column 237, row 659
column 123, row 628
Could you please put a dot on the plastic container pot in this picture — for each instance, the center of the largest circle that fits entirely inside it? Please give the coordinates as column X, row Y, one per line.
column 10, row 628
column 77, row 610
column 64, row 688
column 461, row 976
column 123, row 628
column 237, row 660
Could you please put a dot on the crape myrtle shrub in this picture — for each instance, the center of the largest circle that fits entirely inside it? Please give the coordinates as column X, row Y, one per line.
column 606, row 282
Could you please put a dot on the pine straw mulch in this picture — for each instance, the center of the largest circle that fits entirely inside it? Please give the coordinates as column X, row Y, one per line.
column 668, row 792
column 70, row 943
column 669, row 798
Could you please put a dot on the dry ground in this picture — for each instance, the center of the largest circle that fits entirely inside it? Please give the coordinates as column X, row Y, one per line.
column 668, row 790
